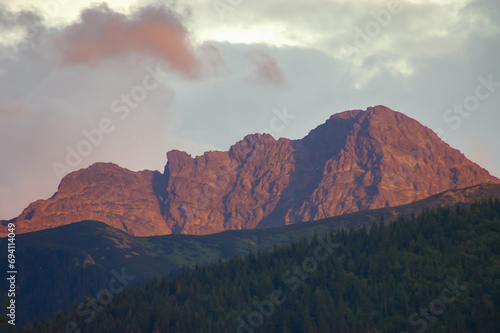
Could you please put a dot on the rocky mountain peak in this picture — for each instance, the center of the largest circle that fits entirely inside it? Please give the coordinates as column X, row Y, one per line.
column 356, row 160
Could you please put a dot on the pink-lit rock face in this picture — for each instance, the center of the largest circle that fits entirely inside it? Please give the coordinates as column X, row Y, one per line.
column 104, row 192
column 356, row 160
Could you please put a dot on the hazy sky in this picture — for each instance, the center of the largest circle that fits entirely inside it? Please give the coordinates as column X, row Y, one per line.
column 126, row 81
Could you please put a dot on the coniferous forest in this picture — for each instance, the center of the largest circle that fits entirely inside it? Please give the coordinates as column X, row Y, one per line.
column 436, row 272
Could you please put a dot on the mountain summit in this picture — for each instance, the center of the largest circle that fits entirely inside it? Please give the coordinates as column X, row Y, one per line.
column 356, row 160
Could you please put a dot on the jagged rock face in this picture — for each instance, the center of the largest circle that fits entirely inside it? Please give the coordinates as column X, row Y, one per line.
column 356, row 160
column 105, row 192
column 227, row 190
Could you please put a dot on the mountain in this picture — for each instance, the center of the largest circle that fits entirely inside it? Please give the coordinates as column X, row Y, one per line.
column 86, row 253
column 105, row 192
column 356, row 160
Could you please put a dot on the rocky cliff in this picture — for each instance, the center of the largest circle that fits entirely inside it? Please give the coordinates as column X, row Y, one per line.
column 356, row 160
column 105, row 192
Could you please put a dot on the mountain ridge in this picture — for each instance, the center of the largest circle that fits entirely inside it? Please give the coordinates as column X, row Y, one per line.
column 356, row 160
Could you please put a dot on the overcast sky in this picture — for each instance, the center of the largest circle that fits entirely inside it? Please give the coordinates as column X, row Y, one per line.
column 126, row 81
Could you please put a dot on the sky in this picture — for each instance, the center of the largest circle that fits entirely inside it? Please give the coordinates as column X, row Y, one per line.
column 126, row 81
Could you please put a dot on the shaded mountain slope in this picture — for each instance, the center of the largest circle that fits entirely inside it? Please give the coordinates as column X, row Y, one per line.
column 66, row 264
column 436, row 272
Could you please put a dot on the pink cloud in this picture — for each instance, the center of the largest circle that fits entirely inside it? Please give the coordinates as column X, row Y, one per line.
column 103, row 33
column 14, row 112
column 267, row 68
column 213, row 60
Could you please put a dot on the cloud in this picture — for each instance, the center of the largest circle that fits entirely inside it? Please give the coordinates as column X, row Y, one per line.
column 21, row 28
column 48, row 105
column 406, row 38
column 427, row 59
column 214, row 63
column 103, row 33
column 24, row 18
column 17, row 111
column 266, row 68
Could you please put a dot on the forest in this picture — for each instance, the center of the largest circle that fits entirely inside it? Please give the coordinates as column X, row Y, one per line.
column 435, row 272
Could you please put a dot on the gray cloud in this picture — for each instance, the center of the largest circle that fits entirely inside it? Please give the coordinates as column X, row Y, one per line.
column 21, row 29
column 426, row 60
column 24, row 19
column 266, row 68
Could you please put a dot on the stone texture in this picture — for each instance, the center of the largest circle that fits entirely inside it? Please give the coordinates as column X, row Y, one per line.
column 104, row 192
